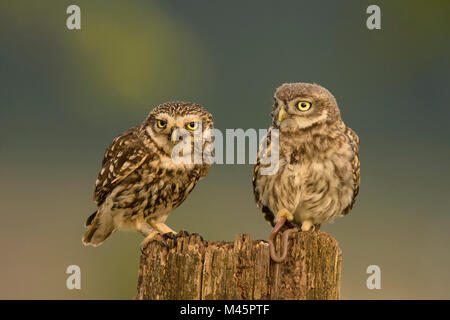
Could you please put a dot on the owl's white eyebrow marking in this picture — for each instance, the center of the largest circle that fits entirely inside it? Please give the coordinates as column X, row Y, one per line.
column 162, row 115
column 190, row 117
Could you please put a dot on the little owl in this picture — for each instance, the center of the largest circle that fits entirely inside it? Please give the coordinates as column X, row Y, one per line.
column 318, row 174
column 140, row 182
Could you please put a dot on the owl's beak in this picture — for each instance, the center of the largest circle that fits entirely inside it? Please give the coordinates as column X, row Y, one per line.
column 174, row 136
column 282, row 115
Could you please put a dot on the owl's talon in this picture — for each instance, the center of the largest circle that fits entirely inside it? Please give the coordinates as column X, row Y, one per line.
column 285, row 213
column 169, row 235
column 162, row 243
column 197, row 234
column 182, row 233
column 153, row 237
column 144, row 244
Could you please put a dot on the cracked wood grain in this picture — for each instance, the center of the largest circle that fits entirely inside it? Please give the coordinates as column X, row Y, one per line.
column 192, row 269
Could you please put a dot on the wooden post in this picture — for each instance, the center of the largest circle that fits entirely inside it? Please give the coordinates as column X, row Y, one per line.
column 194, row 269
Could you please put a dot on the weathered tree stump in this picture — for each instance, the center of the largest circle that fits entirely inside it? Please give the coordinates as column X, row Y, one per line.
column 194, row 269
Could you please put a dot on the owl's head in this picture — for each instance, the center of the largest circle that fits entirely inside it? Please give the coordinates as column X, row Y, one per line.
column 171, row 122
column 303, row 105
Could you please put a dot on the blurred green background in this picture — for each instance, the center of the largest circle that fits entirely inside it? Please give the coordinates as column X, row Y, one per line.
column 66, row 94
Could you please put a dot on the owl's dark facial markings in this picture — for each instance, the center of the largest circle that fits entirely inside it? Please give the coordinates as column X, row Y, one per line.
column 189, row 118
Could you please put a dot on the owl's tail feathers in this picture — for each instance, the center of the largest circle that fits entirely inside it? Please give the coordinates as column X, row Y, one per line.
column 90, row 218
column 99, row 227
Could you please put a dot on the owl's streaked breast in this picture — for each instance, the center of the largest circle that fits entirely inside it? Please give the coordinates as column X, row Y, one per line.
column 314, row 180
column 151, row 192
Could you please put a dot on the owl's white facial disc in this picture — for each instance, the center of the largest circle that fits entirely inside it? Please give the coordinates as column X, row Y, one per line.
column 167, row 131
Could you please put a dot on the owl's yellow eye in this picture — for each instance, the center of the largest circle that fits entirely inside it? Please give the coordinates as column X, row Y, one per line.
column 161, row 124
column 192, row 125
column 303, row 105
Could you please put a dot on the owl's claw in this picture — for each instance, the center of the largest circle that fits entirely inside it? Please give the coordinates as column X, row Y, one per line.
column 162, row 243
column 183, row 233
column 196, row 234
column 169, row 235
column 154, row 237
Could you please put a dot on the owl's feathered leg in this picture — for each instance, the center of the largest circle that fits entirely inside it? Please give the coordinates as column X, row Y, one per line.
column 282, row 216
column 149, row 234
column 162, row 228
column 144, row 228
column 307, row 225
column 148, row 239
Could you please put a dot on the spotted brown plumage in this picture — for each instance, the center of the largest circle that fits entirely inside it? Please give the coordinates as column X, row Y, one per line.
column 139, row 183
column 319, row 173
column 354, row 142
column 124, row 155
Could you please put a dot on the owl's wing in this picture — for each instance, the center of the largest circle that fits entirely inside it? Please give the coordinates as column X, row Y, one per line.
column 354, row 142
column 208, row 154
column 257, row 169
column 124, row 155
column 268, row 214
